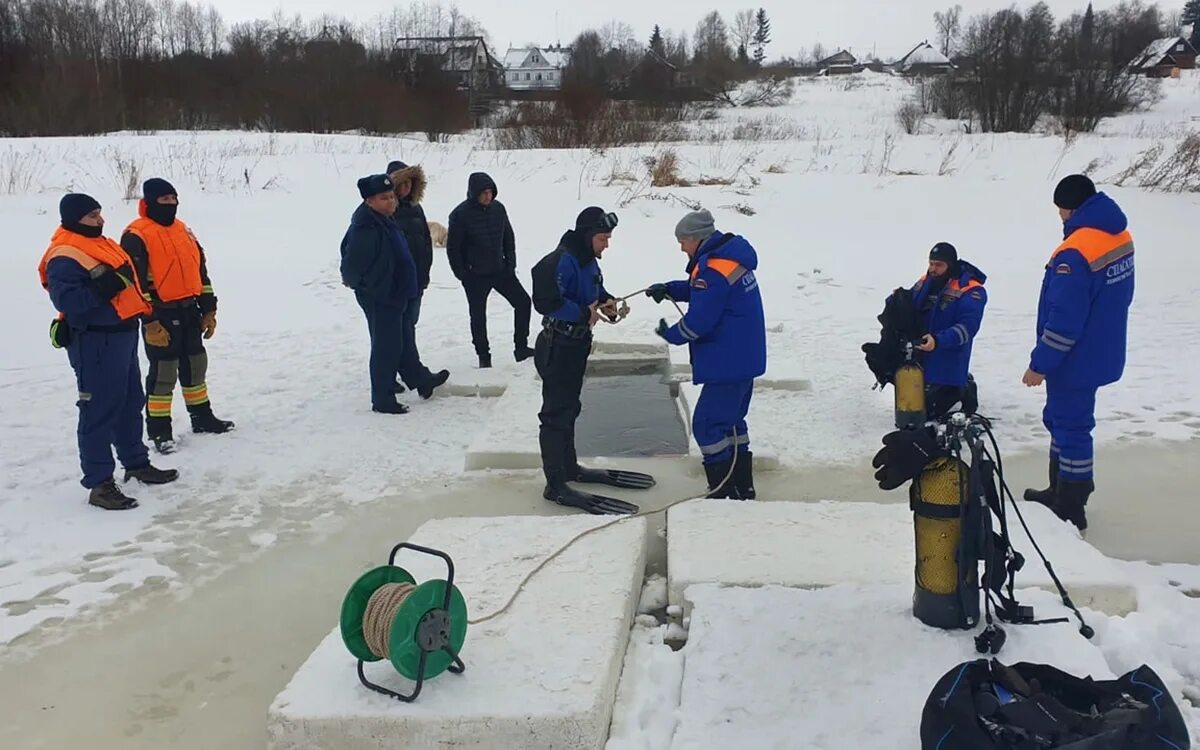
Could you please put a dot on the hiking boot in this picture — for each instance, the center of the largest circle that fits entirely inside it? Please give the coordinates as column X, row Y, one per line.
column 485, row 361
column 108, row 496
column 743, row 475
column 163, row 444
column 203, row 420
column 522, row 353
column 392, row 408
column 718, row 483
column 435, row 380
column 148, row 474
column 398, row 388
column 1049, row 496
column 1072, row 497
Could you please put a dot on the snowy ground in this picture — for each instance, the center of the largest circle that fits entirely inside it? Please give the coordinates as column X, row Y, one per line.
column 844, row 209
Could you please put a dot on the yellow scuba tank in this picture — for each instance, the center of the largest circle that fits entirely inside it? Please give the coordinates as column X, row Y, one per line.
column 947, row 590
column 910, row 392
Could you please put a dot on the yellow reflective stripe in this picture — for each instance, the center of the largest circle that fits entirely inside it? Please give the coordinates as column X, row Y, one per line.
column 1112, row 256
column 206, row 289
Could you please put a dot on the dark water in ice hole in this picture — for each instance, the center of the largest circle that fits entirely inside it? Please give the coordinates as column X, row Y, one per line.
column 629, row 415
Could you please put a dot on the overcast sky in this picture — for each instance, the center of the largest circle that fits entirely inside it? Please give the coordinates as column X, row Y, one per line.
column 887, row 27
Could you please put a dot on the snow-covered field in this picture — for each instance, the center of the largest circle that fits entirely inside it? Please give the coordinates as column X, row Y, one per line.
column 841, row 212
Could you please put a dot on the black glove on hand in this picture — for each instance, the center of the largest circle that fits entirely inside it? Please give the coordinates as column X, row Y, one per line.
column 904, row 455
column 111, row 282
column 662, row 327
column 657, row 292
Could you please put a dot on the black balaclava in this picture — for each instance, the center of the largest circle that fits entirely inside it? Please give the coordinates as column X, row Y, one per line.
column 152, row 190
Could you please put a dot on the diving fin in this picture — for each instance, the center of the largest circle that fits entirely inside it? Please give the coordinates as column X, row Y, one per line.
column 615, row 477
column 595, row 504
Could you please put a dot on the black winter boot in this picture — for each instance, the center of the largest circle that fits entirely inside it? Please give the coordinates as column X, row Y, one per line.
column 522, row 352
column 743, row 475
column 485, row 361
column 398, row 387
column 393, row 408
column 1072, row 496
column 437, row 379
column 158, row 429
column 109, row 497
column 203, row 420
column 718, row 484
column 148, row 474
column 1048, row 496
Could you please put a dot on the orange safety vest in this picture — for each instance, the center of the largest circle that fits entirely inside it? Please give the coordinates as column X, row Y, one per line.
column 1099, row 248
column 91, row 253
column 174, row 256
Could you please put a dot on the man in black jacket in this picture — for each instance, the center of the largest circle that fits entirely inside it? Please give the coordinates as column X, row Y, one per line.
column 483, row 256
column 378, row 266
column 410, row 217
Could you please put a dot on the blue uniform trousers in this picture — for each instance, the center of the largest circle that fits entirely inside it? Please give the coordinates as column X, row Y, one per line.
column 1070, row 416
column 385, row 323
column 720, row 413
column 110, row 402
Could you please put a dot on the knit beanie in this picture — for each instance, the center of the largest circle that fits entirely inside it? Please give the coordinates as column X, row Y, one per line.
column 944, row 252
column 1073, row 191
column 155, row 188
column 697, row 225
column 75, row 206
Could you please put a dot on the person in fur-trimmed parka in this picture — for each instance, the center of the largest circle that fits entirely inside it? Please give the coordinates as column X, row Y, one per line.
column 410, row 185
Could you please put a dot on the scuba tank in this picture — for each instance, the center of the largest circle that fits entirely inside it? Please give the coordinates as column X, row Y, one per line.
column 947, row 573
column 910, row 392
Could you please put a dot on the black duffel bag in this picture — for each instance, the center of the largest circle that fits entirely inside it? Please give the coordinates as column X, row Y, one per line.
column 984, row 704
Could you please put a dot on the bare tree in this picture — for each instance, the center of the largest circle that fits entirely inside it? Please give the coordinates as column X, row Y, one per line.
column 949, row 28
column 743, row 28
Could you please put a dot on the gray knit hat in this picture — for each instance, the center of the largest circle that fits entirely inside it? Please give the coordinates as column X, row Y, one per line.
column 698, row 225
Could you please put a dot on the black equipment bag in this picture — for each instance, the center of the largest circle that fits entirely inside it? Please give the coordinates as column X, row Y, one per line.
column 983, row 704
column 899, row 325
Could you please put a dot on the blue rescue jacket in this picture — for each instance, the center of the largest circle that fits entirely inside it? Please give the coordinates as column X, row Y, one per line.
column 376, row 261
column 953, row 320
column 724, row 325
column 567, row 281
column 1083, row 311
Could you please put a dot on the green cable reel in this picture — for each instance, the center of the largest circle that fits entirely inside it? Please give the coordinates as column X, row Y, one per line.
column 425, row 632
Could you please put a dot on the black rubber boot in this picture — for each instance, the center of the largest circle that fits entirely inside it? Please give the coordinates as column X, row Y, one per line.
column 204, row 421
column 398, row 388
column 1072, row 497
column 158, row 429
column 109, row 497
column 1048, row 496
column 392, row 408
column 718, row 485
column 149, row 474
column 743, row 476
column 436, row 380
column 522, row 353
column 485, row 361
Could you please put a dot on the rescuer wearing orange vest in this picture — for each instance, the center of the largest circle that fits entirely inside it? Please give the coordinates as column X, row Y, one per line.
column 92, row 285
column 171, row 267
column 1082, row 322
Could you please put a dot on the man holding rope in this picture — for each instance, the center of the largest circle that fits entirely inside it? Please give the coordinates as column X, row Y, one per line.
column 568, row 290
column 726, row 332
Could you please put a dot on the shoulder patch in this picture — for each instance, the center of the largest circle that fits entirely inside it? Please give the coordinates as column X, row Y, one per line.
column 1062, row 268
column 699, row 283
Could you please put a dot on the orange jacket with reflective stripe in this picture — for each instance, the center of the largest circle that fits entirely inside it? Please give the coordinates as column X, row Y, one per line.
column 173, row 254
column 91, row 254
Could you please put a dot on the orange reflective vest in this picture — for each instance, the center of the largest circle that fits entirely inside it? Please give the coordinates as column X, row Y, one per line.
column 92, row 253
column 173, row 254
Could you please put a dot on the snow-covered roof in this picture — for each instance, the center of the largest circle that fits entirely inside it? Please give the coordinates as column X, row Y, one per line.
column 550, row 58
column 923, row 54
column 1156, row 51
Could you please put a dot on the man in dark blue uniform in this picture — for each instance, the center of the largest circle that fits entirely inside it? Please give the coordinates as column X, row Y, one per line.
column 568, row 290
column 378, row 266
column 1083, row 316
column 725, row 331
column 949, row 300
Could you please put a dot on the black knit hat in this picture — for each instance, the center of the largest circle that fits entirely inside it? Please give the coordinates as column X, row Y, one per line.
column 594, row 220
column 944, row 252
column 1073, row 190
column 75, row 206
column 155, row 188
column 374, row 185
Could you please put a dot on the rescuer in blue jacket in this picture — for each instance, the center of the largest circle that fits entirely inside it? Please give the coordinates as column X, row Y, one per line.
column 1083, row 314
column 725, row 331
column 949, row 301
column 568, row 290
